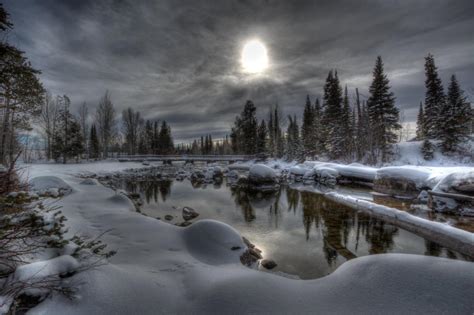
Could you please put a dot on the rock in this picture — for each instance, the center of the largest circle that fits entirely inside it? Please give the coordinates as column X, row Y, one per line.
column 268, row 263
column 235, row 248
column 217, row 172
column 189, row 213
column 184, row 224
column 255, row 253
column 198, row 175
column 169, row 217
column 260, row 174
column 247, row 242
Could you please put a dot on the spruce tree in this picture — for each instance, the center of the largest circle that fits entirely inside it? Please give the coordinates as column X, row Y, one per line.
column 317, row 128
column 333, row 135
column 94, row 149
column 307, row 129
column 262, row 138
column 427, row 150
column 271, row 134
column 420, row 124
column 434, row 99
column 346, row 125
column 455, row 114
column 383, row 115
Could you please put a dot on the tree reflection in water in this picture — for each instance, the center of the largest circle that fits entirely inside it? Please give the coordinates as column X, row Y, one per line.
column 298, row 228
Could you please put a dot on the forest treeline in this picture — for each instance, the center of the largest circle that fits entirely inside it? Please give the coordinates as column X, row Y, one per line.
column 366, row 131
column 334, row 127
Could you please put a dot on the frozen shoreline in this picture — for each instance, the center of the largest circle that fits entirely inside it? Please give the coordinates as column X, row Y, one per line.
column 161, row 268
column 451, row 237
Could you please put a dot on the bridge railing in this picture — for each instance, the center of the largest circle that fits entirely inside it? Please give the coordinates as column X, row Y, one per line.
column 184, row 157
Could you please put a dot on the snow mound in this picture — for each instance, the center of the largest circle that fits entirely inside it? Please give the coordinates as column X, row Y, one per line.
column 213, row 242
column 260, row 172
column 298, row 170
column 32, row 273
column 458, row 182
column 49, row 184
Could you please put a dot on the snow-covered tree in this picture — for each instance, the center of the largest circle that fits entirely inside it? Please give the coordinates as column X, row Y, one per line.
column 455, row 118
column 307, row 129
column 383, row 115
column 434, row 99
column 332, row 106
column 420, row 123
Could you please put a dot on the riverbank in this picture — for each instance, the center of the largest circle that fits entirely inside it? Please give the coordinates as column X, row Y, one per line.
column 161, row 268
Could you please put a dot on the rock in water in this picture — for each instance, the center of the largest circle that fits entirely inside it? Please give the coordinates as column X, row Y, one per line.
column 262, row 177
column 268, row 263
column 189, row 213
column 168, row 217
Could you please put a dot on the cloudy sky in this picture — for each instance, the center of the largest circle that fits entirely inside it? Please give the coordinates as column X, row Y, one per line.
column 180, row 60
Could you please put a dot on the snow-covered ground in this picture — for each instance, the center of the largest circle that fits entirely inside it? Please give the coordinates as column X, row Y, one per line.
column 162, row 268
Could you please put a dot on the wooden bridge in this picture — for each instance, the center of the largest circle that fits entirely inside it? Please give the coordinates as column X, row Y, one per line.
column 168, row 159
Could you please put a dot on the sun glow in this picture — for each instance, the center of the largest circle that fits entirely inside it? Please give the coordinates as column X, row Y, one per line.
column 254, row 57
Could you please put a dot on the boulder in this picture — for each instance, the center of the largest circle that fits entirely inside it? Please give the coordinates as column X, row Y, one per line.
column 189, row 213
column 262, row 177
column 268, row 263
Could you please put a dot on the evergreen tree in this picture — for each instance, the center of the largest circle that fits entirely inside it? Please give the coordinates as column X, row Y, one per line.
column 165, row 141
column 94, row 149
column 427, row 149
column 333, row 134
column 346, row 125
column 293, row 145
column 383, row 114
column 420, row 124
column 434, row 99
column 307, row 129
column 271, row 134
column 279, row 139
column 244, row 132
column 262, row 138
column 318, row 128
column 455, row 114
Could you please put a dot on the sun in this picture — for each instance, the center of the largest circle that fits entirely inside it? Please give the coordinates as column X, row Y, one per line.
column 254, row 57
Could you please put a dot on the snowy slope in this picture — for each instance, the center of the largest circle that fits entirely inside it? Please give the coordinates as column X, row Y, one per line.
column 161, row 268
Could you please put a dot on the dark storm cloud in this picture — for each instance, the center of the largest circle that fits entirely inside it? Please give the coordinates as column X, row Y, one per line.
column 179, row 60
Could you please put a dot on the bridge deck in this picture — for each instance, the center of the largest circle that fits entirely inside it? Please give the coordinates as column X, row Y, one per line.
column 186, row 158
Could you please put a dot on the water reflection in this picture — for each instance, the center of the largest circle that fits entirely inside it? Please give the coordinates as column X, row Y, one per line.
column 306, row 234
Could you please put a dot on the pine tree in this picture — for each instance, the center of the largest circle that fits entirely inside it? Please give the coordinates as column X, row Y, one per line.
column 455, row 114
column 307, row 129
column 94, row 149
column 318, row 128
column 271, row 134
column 427, row 149
column 420, row 124
column 434, row 99
column 262, row 138
column 383, row 114
column 346, row 125
column 333, row 135
column 279, row 139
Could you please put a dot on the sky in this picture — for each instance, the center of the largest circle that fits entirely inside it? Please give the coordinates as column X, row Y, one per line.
column 180, row 60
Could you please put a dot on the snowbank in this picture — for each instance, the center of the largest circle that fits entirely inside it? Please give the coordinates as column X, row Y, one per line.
column 161, row 268
column 50, row 185
column 441, row 233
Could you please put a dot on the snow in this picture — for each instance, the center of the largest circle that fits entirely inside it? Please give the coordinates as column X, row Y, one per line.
column 261, row 173
column 444, row 234
column 409, row 153
column 162, row 268
column 43, row 184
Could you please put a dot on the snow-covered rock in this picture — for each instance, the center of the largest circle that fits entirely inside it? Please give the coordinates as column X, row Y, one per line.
column 262, row 177
column 452, row 188
column 51, row 185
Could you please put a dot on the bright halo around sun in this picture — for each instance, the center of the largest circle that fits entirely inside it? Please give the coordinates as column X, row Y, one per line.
column 254, row 57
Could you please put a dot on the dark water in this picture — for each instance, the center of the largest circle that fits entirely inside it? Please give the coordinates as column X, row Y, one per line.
column 306, row 234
